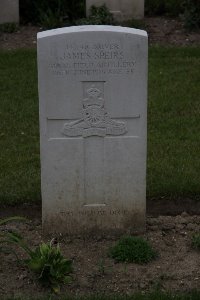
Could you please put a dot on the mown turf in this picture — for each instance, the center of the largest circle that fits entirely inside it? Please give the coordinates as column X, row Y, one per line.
column 173, row 125
column 19, row 128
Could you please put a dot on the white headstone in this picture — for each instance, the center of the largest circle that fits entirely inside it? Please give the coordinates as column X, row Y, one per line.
column 93, row 102
column 121, row 9
column 9, row 11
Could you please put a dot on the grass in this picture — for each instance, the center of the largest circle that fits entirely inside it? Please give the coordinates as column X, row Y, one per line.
column 173, row 125
column 19, row 128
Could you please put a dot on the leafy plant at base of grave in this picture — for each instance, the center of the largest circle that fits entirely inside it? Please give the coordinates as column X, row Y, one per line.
column 9, row 27
column 46, row 260
column 50, row 266
column 196, row 241
column 191, row 15
column 132, row 249
column 97, row 16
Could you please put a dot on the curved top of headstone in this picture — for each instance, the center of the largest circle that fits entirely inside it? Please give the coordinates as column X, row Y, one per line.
column 91, row 28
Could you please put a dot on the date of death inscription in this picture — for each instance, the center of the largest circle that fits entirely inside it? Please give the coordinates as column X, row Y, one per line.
column 94, row 213
column 91, row 59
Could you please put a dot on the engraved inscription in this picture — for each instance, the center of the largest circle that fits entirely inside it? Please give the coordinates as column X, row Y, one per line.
column 91, row 59
column 116, row 212
column 96, row 120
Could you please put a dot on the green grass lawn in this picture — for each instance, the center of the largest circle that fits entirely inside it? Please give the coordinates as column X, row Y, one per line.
column 173, row 125
column 19, row 128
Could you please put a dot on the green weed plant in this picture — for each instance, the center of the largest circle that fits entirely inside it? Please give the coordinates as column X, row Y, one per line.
column 132, row 249
column 97, row 16
column 50, row 19
column 9, row 238
column 196, row 241
column 8, row 27
column 50, row 266
column 46, row 261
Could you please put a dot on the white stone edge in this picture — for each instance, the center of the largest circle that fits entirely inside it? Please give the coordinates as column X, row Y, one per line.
column 91, row 28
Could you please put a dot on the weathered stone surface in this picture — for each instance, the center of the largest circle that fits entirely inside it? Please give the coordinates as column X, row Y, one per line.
column 9, row 11
column 121, row 9
column 93, row 92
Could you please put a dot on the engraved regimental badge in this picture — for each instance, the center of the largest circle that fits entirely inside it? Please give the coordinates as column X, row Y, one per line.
column 96, row 120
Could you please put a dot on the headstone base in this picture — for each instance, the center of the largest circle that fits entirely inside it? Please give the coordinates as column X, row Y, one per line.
column 76, row 224
column 9, row 11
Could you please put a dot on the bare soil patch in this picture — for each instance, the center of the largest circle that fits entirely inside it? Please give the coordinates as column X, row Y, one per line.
column 177, row 267
column 161, row 30
column 170, row 32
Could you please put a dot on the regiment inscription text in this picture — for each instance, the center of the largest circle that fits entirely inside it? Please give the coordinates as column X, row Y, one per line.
column 91, row 59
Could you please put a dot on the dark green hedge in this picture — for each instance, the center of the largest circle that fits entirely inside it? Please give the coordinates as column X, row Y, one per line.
column 58, row 13
column 32, row 11
column 192, row 14
column 164, row 7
